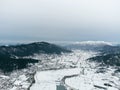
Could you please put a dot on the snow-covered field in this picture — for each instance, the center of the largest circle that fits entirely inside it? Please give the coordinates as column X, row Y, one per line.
column 87, row 79
column 90, row 80
column 47, row 80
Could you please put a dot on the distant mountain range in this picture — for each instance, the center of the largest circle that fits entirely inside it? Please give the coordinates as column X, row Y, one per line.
column 89, row 45
column 12, row 57
column 31, row 49
column 109, row 54
column 8, row 54
column 110, row 50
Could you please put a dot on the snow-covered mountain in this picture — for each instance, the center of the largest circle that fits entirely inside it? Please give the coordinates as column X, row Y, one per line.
column 93, row 43
column 89, row 45
column 31, row 49
column 89, row 65
column 15, row 56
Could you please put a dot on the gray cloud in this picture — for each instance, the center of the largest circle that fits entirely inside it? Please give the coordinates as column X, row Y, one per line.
column 60, row 19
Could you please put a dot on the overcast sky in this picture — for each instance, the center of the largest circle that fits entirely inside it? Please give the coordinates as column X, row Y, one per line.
column 65, row 20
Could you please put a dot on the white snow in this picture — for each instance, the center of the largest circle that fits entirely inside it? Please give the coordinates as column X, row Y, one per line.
column 21, row 81
column 3, row 76
column 46, row 80
column 14, row 88
column 93, row 43
column 89, row 79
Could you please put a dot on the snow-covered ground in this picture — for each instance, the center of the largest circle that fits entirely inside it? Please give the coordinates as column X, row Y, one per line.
column 90, row 80
column 46, row 80
column 76, row 63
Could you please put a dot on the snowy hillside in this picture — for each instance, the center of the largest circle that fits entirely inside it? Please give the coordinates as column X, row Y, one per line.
column 81, row 69
column 77, row 73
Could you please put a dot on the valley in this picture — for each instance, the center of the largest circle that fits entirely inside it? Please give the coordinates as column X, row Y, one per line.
column 86, row 74
column 52, row 67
